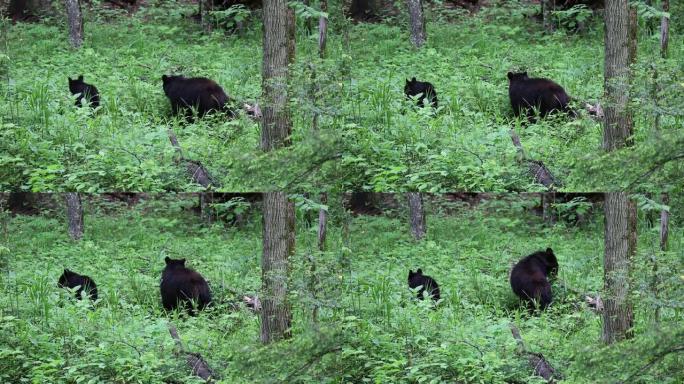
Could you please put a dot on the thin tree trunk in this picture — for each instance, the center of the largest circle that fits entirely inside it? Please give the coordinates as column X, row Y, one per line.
column 617, row 314
column 548, row 213
column 548, row 6
column 322, row 29
column 417, row 215
column 291, row 35
column 73, row 10
column 276, row 124
column 417, row 19
column 665, row 30
column 206, row 210
column 322, row 223
column 278, row 243
column 205, row 6
column 74, row 215
column 617, row 125
column 664, row 233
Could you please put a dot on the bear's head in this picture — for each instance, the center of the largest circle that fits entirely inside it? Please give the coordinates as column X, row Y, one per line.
column 174, row 263
column 75, row 84
column 551, row 262
column 65, row 278
column 411, row 86
column 520, row 76
column 415, row 274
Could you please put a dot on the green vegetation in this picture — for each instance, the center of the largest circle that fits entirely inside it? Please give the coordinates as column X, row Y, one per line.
column 368, row 329
column 368, row 136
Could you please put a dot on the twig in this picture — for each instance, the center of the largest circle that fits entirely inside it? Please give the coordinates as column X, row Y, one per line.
column 654, row 168
column 653, row 361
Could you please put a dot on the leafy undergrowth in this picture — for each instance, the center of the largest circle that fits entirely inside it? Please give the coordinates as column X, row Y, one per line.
column 368, row 330
column 367, row 137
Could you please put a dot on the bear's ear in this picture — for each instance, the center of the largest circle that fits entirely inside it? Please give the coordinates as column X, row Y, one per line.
column 413, row 80
column 419, row 271
column 167, row 260
column 80, row 78
column 67, row 271
column 410, row 272
column 164, row 78
column 510, row 75
column 408, row 81
column 549, row 250
column 525, row 74
column 182, row 262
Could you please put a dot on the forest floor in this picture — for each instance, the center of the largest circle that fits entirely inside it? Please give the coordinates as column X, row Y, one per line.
column 368, row 136
column 367, row 328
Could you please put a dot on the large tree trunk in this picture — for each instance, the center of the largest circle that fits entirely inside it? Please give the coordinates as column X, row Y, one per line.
column 322, row 29
column 276, row 124
column 417, row 19
column 617, row 314
column 417, row 215
column 617, row 123
column 74, row 215
column 278, row 242
column 73, row 9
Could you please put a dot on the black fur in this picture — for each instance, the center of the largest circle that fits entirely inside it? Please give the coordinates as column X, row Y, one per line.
column 72, row 280
column 424, row 89
column 427, row 283
column 181, row 284
column 530, row 278
column 84, row 90
column 543, row 94
column 196, row 92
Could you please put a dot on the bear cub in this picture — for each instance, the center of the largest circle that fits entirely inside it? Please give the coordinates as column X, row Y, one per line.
column 196, row 92
column 528, row 93
column 424, row 89
column 181, row 284
column 85, row 284
column 427, row 283
column 84, row 91
column 530, row 278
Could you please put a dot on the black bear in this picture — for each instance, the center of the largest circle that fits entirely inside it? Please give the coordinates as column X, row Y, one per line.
column 84, row 90
column 181, row 284
column 530, row 278
column 427, row 283
column 543, row 94
column 196, row 92
column 414, row 88
column 72, row 280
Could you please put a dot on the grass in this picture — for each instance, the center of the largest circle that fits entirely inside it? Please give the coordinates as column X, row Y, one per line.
column 368, row 136
column 368, row 329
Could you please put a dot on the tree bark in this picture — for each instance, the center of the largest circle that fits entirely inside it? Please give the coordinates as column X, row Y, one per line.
column 322, row 30
column 74, row 215
column 278, row 243
column 417, row 20
column 75, row 17
column 291, row 35
column 417, row 215
column 617, row 124
column 617, row 314
column 276, row 125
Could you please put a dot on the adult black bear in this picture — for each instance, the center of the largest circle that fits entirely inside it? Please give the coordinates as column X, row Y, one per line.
column 84, row 90
column 196, row 92
column 543, row 94
column 427, row 283
column 181, row 284
column 529, row 278
column 72, row 280
column 414, row 88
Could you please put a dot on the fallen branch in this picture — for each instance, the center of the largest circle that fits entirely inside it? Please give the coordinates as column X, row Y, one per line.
column 541, row 367
column 199, row 366
column 198, row 173
column 540, row 173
